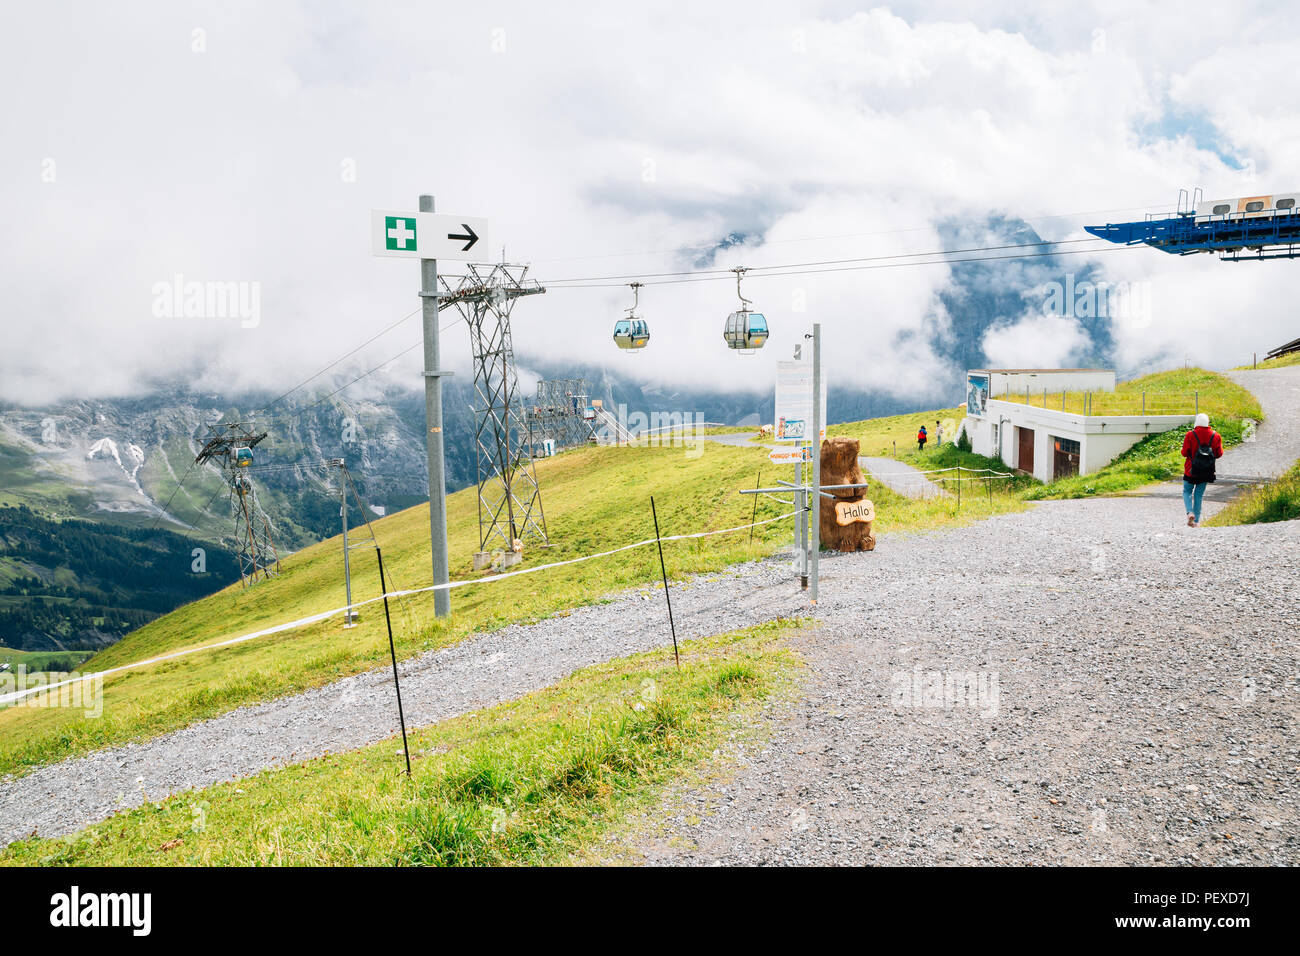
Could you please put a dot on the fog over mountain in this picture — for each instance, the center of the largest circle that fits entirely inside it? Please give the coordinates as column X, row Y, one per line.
column 249, row 143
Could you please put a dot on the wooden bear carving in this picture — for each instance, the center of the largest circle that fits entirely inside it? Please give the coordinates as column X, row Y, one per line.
column 840, row 467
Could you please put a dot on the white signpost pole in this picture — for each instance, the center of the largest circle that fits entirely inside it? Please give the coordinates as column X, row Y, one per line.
column 433, row 422
column 427, row 237
column 815, row 547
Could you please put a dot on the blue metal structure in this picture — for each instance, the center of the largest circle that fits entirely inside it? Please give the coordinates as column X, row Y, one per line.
column 1256, row 229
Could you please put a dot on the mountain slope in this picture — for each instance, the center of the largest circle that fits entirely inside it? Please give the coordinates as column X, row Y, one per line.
column 79, row 585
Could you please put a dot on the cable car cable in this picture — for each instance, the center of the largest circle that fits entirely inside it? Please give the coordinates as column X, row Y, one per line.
column 845, row 235
column 295, row 415
column 382, row 332
column 791, row 265
column 860, row 268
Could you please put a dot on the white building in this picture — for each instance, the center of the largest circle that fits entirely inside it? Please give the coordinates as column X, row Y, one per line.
column 1036, row 381
column 1049, row 443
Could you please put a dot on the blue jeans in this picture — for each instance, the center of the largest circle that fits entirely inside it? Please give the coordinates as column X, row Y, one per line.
column 1192, row 495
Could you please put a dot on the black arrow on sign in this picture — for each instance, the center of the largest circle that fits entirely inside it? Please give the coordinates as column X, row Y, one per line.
column 469, row 235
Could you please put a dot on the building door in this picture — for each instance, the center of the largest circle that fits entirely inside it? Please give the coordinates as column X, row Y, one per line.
column 1025, row 456
column 1065, row 458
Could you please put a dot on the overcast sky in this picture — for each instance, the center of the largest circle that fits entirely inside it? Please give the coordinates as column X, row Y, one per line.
column 248, row 142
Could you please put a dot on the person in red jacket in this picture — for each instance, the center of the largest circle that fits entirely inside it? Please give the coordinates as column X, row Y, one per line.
column 1202, row 447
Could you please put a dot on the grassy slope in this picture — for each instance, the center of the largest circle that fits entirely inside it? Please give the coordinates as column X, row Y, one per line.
column 596, row 498
column 21, row 484
column 1282, row 361
column 1274, row 501
column 525, row 782
column 36, row 661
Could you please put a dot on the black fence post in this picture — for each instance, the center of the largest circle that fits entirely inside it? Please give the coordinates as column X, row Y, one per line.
column 664, row 571
column 392, row 650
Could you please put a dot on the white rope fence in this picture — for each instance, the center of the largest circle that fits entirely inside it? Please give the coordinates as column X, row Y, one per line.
column 16, row 696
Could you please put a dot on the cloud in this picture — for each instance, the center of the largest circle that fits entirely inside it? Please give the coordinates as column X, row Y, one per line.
column 1035, row 341
column 600, row 141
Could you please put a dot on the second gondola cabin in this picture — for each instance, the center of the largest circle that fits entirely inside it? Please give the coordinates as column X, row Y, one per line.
column 745, row 331
column 631, row 333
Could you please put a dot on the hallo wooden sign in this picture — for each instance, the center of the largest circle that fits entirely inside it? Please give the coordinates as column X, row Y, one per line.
column 847, row 512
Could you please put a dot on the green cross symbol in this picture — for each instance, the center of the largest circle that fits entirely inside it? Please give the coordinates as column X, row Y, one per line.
column 399, row 233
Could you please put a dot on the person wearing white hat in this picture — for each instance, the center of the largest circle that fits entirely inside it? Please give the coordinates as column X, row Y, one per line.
column 1202, row 447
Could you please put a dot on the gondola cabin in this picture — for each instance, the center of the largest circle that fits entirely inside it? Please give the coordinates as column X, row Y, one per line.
column 745, row 331
column 243, row 457
column 631, row 333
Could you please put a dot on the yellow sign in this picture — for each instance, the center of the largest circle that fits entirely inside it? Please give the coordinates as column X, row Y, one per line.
column 847, row 512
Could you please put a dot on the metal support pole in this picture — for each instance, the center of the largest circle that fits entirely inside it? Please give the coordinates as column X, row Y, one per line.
column 816, row 546
column 1198, row 403
column 758, row 483
column 433, row 423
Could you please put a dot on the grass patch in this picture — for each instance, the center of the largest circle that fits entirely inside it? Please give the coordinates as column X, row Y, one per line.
column 949, row 455
column 43, row 661
column 532, row 781
column 1277, row 500
column 1282, row 361
column 1174, row 392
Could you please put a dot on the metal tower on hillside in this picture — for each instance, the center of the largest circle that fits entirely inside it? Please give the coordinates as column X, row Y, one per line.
column 509, row 501
column 560, row 413
column 230, row 446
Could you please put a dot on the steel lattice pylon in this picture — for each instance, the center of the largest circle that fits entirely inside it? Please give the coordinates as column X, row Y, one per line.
column 557, row 413
column 509, row 500
column 231, row 446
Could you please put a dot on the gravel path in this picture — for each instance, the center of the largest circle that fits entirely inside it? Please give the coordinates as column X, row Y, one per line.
column 1274, row 449
column 1140, row 703
column 902, row 478
column 1145, row 707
